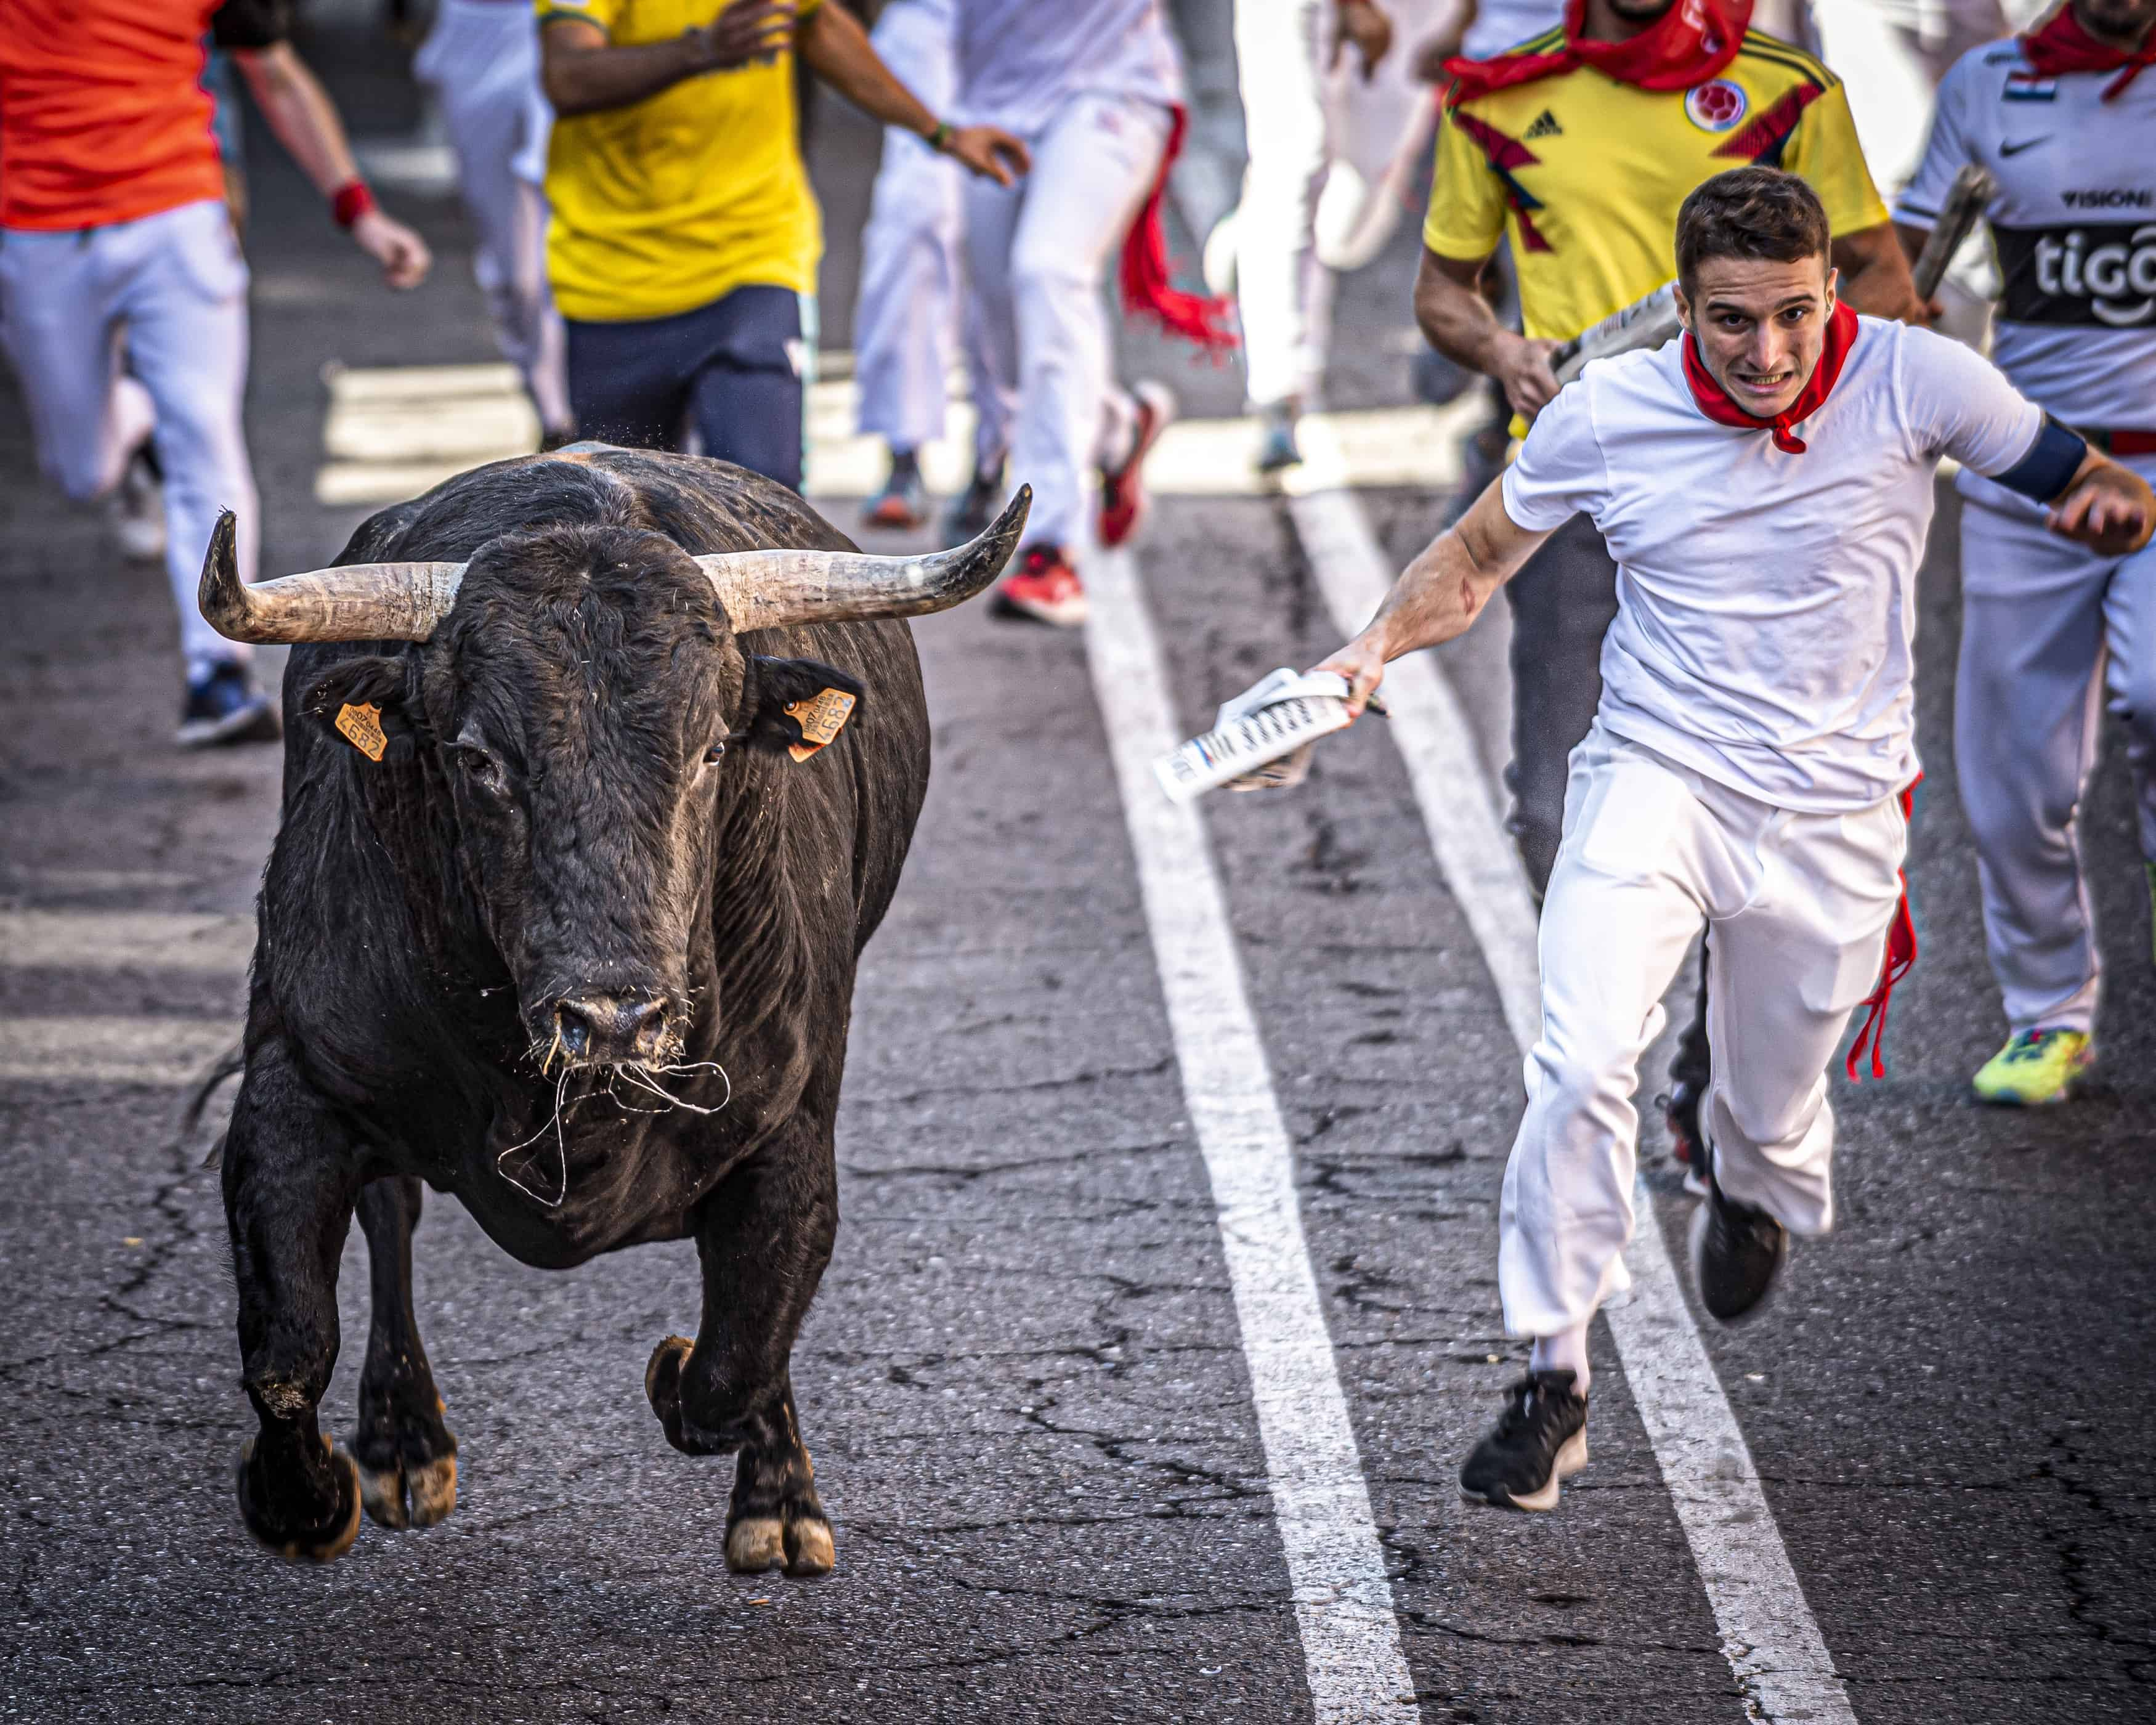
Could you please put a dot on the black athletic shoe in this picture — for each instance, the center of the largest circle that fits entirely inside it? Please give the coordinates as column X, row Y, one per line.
column 1539, row 1441
column 225, row 707
column 1737, row 1251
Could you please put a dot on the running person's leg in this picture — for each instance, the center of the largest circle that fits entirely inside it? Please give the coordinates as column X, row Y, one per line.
column 747, row 395
column 56, row 298
column 990, row 228
column 2027, row 708
column 629, row 382
column 2130, row 609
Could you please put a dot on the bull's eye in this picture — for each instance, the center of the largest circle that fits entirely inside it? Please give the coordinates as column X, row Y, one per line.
column 712, row 753
column 482, row 769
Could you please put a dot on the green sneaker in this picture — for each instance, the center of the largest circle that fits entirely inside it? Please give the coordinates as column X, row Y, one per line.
column 2036, row 1068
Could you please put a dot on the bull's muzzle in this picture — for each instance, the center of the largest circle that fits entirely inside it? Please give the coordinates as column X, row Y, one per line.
column 611, row 1029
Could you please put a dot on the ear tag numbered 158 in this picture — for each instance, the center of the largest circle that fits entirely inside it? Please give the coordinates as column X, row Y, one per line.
column 361, row 727
column 820, row 719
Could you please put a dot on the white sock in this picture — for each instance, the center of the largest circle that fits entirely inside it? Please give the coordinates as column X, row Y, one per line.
column 1565, row 1350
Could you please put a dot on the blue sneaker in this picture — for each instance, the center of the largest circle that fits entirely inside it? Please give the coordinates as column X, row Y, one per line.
column 224, row 706
column 1277, row 448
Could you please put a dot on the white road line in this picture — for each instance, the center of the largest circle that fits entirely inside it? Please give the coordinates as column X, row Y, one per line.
column 83, row 940
column 1343, row 1604
column 111, row 1050
column 1768, row 1635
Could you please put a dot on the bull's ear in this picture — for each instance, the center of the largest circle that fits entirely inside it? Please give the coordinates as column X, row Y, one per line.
column 798, row 705
column 367, row 702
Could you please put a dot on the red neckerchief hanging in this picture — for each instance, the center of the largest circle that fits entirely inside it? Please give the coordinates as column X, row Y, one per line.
column 1901, row 956
column 1149, row 286
column 1713, row 400
column 1691, row 43
column 2062, row 45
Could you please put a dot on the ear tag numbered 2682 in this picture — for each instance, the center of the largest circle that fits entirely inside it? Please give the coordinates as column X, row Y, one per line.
column 361, row 727
column 820, row 719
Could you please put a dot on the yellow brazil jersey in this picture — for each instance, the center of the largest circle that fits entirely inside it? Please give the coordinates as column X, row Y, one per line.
column 1586, row 174
column 675, row 201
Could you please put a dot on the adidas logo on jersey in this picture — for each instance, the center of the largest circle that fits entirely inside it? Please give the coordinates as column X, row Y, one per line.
column 1545, row 126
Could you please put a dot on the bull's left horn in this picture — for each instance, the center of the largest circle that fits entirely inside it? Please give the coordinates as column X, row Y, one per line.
column 769, row 589
column 355, row 601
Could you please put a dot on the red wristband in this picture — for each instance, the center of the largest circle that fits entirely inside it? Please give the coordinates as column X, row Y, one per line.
column 350, row 202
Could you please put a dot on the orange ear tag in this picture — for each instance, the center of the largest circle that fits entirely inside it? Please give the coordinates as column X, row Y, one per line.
column 361, row 727
column 820, row 720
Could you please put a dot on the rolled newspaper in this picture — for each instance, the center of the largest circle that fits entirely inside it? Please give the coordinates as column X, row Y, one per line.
column 1967, row 200
column 1644, row 323
column 1260, row 740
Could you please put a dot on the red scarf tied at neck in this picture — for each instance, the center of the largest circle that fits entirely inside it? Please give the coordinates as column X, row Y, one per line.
column 1714, row 400
column 1691, row 43
column 2062, row 45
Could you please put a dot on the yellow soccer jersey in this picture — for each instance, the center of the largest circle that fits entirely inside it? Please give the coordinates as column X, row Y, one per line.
column 674, row 201
column 1586, row 174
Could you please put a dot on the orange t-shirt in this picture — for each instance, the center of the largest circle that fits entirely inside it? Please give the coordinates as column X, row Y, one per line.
column 102, row 114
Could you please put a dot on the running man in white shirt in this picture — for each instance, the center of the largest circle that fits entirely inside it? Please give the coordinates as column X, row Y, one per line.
column 2068, row 131
column 1765, row 485
column 481, row 59
column 1095, row 88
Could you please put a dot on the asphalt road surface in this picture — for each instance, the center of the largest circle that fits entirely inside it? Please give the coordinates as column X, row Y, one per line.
column 1033, row 1382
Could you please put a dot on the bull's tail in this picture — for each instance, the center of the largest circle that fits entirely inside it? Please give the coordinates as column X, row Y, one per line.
column 233, row 1060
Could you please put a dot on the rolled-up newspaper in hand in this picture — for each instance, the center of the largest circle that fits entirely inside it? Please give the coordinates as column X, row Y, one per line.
column 1260, row 740
column 1647, row 322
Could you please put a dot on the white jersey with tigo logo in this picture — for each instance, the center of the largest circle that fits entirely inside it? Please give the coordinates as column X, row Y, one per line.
column 1019, row 61
column 1766, row 601
column 2074, row 222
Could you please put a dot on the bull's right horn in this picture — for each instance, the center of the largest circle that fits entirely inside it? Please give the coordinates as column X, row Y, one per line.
column 770, row 589
column 355, row 601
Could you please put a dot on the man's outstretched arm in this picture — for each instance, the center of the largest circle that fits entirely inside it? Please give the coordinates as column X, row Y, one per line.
column 838, row 51
column 1440, row 593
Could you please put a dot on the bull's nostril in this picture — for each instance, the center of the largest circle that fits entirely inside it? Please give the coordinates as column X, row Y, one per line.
column 608, row 1028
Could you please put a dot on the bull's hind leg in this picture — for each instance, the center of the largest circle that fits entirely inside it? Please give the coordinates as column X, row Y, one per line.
column 290, row 1180
column 764, row 1236
column 407, row 1456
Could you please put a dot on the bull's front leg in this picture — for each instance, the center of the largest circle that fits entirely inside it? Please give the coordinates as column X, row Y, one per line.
column 290, row 1177
column 763, row 1236
column 407, row 1456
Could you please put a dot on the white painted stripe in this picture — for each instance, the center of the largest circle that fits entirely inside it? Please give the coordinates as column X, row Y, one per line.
column 1343, row 1604
column 101, row 940
column 1768, row 1635
column 112, row 1050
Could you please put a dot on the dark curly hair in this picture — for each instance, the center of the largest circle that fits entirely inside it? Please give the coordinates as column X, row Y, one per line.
column 1750, row 213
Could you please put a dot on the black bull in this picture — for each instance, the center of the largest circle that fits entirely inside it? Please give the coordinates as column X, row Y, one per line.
column 562, row 952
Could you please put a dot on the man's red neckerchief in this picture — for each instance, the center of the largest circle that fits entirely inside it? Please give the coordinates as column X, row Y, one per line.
column 1691, row 43
column 2062, row 45
column 1714, row 400
column 1148, row 283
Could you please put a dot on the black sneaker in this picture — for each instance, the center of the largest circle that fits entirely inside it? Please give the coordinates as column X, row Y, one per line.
column 1738, row 1250
column 1539, row 1441
column 973, row 508
column 225, row 707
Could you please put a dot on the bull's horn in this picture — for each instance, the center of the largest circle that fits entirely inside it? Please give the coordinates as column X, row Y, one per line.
column 769, row 589
column 357, row 601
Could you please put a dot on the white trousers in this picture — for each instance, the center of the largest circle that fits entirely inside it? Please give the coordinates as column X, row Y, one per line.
column 2047, row 628
column 481, row 59
column 1037, row 254
column 911, row 273
column 169, row 293
column 1798, row 906
column 1329, row 160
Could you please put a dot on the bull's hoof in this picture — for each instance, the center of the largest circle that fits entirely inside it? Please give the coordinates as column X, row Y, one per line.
column 662, row 1386
column 404, row 1496
column 808, row 1547
column 754, row 1544
column 296, row 1535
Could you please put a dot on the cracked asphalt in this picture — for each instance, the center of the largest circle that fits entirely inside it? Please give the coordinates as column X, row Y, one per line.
column 1021, row 1382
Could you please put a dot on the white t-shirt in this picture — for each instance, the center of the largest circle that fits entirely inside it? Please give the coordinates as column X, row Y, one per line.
column 1766, row 601
column 1020, row 60
column 2074, row 224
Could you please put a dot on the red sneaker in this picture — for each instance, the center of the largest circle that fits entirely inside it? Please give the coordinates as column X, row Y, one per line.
column 1045, row 589
column 1123, row 499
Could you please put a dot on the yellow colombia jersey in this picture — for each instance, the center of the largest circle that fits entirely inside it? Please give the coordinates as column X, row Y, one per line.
column 1586, row 174
column 674, row 201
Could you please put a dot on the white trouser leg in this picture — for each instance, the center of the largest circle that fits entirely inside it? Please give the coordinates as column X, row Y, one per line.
column 178, row 285
column 1279, row 46
column 907, row 306
column 1037, row 256
column 1379, row 130
column 482, row 60
column 2129, row 618
column 1799, row 905
column 2026, row 711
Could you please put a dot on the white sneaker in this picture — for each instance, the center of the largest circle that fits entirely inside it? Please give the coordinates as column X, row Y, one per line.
column 135, row 510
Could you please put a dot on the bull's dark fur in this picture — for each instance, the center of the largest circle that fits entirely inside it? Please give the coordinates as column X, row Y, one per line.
column 543, row 822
